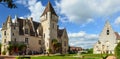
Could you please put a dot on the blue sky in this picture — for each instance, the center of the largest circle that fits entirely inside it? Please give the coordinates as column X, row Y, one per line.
column 83, row 19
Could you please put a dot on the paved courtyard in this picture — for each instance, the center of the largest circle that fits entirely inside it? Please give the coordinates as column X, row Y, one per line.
column 7, row 57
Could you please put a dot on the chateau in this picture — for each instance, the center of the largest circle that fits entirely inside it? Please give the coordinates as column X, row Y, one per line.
column 108, row 39
column 37, row 36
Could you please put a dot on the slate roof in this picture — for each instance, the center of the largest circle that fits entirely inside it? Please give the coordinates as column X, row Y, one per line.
column 49, row 8
column 60, row 32
column 5, row 24
column 32, row 25
column 117, row 36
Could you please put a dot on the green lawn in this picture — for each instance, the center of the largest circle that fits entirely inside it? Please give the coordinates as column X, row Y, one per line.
column 70, row 56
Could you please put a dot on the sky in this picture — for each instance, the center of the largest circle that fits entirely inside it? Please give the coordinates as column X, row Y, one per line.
column 83, row 19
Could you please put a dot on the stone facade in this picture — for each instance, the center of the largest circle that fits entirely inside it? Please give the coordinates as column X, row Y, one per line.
column 37, row 36
column 108, row 39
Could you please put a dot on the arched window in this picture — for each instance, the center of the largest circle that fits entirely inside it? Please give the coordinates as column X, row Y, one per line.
column 108, row 32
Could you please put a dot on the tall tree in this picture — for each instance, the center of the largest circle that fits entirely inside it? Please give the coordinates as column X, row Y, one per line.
column 8, row 3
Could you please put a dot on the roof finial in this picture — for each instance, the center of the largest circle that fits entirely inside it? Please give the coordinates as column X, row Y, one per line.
column 15, row 16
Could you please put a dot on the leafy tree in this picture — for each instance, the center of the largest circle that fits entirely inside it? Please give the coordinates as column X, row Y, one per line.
column 10, row 48
column 8, row 3
column 56, row 45
column 117, row 51
column 90, row 51
column 15, row 47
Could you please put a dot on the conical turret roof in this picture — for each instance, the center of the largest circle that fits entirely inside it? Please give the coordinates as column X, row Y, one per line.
column 49, row 8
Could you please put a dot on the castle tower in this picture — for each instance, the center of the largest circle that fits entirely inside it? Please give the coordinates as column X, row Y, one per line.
column 6, row 34
column 49, row 20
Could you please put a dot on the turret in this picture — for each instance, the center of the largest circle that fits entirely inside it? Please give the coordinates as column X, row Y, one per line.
column 49, row 20
column 9, row 21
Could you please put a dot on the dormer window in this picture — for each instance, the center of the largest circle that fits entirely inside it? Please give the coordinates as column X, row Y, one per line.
column 107, row 32
column 26, row 31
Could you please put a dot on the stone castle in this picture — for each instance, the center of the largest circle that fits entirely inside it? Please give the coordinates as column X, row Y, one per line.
column 108, row 39
column 37, row 36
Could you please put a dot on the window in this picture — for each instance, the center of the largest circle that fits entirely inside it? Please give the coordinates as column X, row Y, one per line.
column 53, row 25
column 107, row 32
column 47, row 44
column 4, row 32
column 15, row 40
column 4, row 40
column 39, row 42
column 44, row 35
column 14, row 28
column 64, row 43
column 13, row 34
column 26, row 40
column 26, row 31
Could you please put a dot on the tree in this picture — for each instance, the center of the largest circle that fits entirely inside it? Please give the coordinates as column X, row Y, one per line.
column 56, row 45
column 15, row 47
column 10, row 48
column 8, row 3
column 90, row 51
column 54, row 42
column 117, row 50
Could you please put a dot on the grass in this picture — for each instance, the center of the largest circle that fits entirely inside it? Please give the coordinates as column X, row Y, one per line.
column 70, row 56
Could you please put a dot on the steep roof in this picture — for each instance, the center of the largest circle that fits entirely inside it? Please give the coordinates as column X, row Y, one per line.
column 117, row 36
column 7, row 21
column 32, row 25
column 60, row 32
column 49, row 8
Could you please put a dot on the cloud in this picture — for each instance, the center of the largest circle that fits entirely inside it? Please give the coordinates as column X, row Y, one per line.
column 82, row 39
column 36, row 8
column 117, row 21
column 80, row 11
